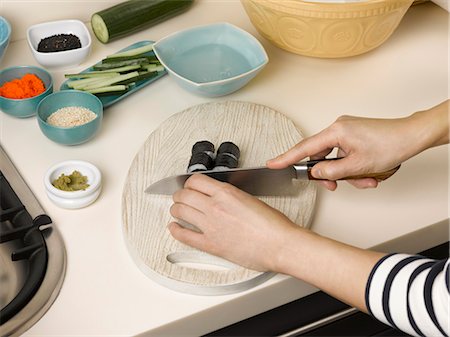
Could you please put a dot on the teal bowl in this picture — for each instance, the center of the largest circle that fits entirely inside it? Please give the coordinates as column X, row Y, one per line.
column 25, row 107
column 5, row 36
column 70, row 135
column 212, row 60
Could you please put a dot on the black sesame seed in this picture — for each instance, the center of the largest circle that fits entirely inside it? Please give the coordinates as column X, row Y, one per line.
column 60, row 42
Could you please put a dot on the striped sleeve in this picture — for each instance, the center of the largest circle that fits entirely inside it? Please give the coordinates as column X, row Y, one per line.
column 410, row 293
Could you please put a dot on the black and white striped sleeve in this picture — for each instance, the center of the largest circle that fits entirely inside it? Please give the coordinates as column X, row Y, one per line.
column 411, row 293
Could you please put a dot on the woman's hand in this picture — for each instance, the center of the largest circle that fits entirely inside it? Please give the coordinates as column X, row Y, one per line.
column 233, row 224
column 242, row 229
column 365, row 145
column 368, row 145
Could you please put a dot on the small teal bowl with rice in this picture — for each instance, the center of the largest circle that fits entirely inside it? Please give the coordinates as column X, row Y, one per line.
column 70, row 107
column 212, row 60
column 5, row 36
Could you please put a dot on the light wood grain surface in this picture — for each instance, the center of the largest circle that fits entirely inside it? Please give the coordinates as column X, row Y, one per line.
column 261, row 133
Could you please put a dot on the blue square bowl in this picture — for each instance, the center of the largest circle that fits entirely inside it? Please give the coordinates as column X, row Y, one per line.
column 212, row 60
column 5, row 36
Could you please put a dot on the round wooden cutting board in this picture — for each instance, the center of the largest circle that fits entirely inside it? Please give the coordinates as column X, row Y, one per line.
column 261, row 133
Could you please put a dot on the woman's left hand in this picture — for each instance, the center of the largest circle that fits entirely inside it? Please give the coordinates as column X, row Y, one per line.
column 233, row 224
column 244, row 230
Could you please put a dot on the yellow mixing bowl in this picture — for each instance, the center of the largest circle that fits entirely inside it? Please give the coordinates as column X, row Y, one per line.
column 327, row 30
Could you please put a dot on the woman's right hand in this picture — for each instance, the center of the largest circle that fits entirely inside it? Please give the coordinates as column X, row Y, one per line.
column 368, row 145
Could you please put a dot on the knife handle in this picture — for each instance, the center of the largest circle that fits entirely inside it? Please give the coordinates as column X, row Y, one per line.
column 379, row 176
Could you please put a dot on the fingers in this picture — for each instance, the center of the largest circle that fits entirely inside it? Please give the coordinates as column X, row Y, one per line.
column 320, row 155
column 328, row 184
column 194, row 202
column 202, row 183
column 191, row 197
column 318, row 145
column 336, row 169
column 188, row 207
column 186, row 236
column 187, row 214
column 364, row 183
column 358, row 183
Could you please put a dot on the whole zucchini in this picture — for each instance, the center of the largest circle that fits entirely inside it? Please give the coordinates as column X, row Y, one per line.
column 134, row 15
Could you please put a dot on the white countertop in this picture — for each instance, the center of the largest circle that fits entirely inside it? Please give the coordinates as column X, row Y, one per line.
column 104, row 293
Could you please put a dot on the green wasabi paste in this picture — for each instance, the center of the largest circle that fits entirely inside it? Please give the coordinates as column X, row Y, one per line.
column 73, row 182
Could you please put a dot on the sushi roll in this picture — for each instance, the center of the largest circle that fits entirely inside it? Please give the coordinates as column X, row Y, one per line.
column 227, row 156
column 200, row 162
column 204, row 146
column 202, row 158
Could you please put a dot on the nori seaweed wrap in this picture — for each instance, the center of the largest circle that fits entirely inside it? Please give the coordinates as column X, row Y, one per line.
column 200, row 162
column 202, row 158
column 227, row 156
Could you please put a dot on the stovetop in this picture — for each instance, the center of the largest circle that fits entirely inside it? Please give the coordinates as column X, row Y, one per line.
column 32, row 254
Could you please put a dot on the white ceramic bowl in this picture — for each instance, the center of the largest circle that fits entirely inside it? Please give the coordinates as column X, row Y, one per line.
column 73, row 199
column 61, row 59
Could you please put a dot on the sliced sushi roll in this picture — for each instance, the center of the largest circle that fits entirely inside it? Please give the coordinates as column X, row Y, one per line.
column 227, row 157
column 202, row 158
column 200, row 162
column 204, row 146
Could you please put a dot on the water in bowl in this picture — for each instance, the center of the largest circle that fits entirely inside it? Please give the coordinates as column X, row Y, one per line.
column 210, row 63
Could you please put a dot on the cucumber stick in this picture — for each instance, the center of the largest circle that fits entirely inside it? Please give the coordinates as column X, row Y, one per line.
column 153, row 67
column 77, row 84
column 115, row 70
column 110, row 90
column 149, row 58
column 132, row 52
column 141, row 77
column 109, row 81
column 112, row 65
column 131, row 16
column 106, row 73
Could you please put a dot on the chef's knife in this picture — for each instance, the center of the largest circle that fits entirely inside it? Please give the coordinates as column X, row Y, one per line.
column 260, row 181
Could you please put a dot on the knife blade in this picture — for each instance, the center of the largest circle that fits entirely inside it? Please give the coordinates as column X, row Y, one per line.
column 261, row 181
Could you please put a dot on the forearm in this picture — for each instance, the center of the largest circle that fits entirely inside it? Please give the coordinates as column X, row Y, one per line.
column 430, row 127
column 336, row 268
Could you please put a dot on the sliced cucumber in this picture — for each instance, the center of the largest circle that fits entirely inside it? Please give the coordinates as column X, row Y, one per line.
column 122, row 69
column 141, row 77
column 109, row 90
column 77, row 84
column 111, row 65
column 149, row 58
column 92, row 74
column 153, row 67
column 133, row 52
column 109, row 81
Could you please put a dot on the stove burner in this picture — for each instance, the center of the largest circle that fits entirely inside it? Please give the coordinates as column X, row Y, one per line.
column 32, row 254
column 17, row 224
